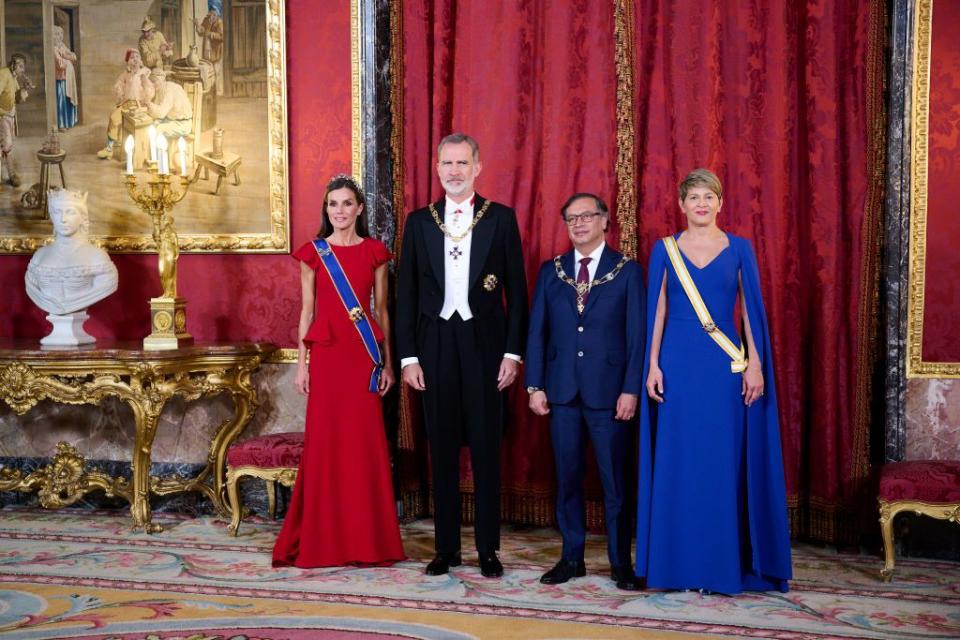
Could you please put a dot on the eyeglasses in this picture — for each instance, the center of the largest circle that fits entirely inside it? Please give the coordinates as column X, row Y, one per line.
column 581, row 217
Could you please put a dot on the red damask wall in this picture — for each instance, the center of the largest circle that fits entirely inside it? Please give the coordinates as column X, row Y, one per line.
column 238, row 297
column 942, row 290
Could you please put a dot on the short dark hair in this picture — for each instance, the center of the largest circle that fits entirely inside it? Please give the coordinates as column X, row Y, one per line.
column 457, row 138
column 601, row 205
column 17, row 56
column 700, row 178
column 344, row 182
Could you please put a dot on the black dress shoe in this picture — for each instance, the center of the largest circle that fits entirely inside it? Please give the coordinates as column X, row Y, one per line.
column 490, row 566
column 441, row 563
column 563, row 571
column 626, row 579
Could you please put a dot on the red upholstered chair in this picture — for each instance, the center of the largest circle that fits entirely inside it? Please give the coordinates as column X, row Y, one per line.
column 274, row 458
column 928, row 487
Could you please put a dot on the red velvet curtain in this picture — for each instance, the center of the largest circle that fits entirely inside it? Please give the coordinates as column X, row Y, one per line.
column 534, row 83
column 780, row 98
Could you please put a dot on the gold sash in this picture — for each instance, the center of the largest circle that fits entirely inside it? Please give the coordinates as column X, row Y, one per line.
column 738, row 360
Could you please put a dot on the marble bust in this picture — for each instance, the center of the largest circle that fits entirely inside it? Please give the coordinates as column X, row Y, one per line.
column 70, row 274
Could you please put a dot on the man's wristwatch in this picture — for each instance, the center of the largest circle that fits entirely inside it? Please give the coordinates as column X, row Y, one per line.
column 532, row 390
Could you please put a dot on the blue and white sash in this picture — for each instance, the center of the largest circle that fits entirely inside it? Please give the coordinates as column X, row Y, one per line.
column 353, row 307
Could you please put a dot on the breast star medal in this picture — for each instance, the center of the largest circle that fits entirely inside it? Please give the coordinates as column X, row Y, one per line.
column 489, row 282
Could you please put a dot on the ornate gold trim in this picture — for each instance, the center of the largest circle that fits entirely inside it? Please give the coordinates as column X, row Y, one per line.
column 277, row 240
column 145, row 381
column 356, row 89
column 64, row 481
column 868, row 321
column 283, row 356
column 919, row 126
column 889, row 510
column 407, row 466
column 626, row 158
column 396, row 117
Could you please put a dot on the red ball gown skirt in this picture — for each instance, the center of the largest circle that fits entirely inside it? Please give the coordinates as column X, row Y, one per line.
column 343, row 510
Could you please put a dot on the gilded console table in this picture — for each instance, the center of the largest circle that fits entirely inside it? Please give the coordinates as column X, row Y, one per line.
column 145, row 380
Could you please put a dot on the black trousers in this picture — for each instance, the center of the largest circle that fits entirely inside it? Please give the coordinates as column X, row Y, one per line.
column 462, row 406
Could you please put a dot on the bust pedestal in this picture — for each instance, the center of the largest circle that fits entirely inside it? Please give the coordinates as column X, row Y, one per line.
column 68, row 330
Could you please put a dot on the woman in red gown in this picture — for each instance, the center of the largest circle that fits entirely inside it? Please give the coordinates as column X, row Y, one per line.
column 343, row 510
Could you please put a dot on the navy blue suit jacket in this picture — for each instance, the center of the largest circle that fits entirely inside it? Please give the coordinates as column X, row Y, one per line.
column 599, row 354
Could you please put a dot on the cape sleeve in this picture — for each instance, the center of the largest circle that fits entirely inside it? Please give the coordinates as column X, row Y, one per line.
column 307, row 254
column 766, row 487
column 381, row 254
column 648, row 413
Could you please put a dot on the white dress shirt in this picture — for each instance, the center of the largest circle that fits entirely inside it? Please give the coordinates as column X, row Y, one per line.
column 591, row 266
column 456, row 270
column 456, row 259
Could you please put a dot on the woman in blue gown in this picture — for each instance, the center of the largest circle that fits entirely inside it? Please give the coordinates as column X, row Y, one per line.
column 712, row 502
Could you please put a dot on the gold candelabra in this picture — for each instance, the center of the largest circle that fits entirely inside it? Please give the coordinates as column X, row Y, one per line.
column 168, row 313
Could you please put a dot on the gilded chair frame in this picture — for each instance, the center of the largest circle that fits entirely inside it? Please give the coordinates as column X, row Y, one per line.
column 287, row 476
column 889, row 510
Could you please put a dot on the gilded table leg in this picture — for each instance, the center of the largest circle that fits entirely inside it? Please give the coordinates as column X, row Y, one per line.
column 146, row 415
column 244, row 403
column 234, row 496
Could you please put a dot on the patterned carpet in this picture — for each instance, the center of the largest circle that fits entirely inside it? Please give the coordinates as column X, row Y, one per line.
column 83, row 575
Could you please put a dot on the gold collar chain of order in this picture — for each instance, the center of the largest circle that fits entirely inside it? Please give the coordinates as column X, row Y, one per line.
column 582, row 288
column 443, row 227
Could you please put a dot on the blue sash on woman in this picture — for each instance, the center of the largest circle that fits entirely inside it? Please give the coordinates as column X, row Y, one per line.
column 353, row 307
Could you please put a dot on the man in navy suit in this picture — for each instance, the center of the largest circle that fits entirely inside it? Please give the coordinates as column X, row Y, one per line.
column 584, row 365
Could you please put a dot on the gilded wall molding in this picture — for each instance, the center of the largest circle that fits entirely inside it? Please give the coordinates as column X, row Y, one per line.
column 356, row 89
column 626, row 158
column 919, row 151
column 283, row 356
column 396, row 116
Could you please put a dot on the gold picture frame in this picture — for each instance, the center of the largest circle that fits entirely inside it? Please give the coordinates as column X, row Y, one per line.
column 917, row 367
column 235, row 216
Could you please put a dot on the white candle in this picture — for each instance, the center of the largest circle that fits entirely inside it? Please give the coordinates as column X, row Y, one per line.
column 152, row 134
column 128, row 148
column 182, row 155
column 163, row 166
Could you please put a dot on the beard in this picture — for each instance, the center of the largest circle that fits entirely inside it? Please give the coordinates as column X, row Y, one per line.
column 455, row 188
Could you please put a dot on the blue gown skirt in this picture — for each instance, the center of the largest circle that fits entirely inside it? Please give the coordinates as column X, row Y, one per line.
column 66, row 110
column 699, row 529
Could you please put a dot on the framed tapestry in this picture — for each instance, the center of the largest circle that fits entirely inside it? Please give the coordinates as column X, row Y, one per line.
column 81, row 78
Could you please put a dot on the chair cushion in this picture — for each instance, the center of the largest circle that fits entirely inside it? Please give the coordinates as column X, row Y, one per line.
column 274, row 450
column 922, row 480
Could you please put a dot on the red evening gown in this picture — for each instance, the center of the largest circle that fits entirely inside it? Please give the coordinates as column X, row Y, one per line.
column 342, row 510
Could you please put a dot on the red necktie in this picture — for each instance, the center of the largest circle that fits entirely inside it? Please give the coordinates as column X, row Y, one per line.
column 583, row 276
